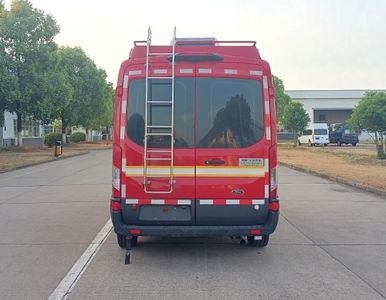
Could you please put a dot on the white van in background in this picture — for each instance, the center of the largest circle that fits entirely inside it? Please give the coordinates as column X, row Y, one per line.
column 316, row 134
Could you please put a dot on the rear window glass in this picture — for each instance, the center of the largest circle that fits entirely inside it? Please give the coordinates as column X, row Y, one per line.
column 160, row 114
column 229, row 112
column 320, row 131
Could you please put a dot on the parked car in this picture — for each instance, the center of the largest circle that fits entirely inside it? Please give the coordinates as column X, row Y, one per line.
column 315, row 134
column 340, row 134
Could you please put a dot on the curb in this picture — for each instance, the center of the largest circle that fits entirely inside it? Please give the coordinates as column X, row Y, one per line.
column 337, row 179
column 44, row 162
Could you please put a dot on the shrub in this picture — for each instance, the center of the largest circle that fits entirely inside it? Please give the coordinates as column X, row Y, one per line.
column 78, row 137
column 51, row 138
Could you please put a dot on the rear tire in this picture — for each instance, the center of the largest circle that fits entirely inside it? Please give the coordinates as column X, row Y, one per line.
column 258, row 243
column 121, row 239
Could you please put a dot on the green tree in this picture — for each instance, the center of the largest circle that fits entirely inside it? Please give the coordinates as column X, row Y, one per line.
column 26, row 40
column 295, row 119
column 97, row 110
column 77, row 91
column 282, row 99
column 370, row 115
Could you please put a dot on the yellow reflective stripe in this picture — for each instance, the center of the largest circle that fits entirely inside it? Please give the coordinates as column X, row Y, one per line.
column 225, row 172
column 159, row 171
column 201, row 171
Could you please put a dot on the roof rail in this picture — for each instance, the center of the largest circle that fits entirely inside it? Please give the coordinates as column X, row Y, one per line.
column 252, row 43
column 140, row 43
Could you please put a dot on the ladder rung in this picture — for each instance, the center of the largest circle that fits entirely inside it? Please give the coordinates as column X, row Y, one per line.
column 160, row 102
column 159, row 126
column 159, row 151
column 156, row 159
column 159, row 53
column 160, row 77
column 158, row 133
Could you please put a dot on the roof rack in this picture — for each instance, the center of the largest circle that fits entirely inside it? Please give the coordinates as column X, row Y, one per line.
column 203, row 42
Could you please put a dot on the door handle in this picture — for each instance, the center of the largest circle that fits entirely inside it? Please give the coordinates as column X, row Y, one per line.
column 215, row 162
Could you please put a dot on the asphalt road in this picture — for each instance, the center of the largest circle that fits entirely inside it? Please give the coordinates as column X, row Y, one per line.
column 330, row 243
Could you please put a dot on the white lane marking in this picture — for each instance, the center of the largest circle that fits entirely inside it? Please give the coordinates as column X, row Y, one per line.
column 68, row 283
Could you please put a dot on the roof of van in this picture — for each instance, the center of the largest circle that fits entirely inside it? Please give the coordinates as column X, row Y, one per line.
column 240, row 49
column 317, row 125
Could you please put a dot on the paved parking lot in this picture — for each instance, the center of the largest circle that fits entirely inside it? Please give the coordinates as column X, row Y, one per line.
column 330, row 243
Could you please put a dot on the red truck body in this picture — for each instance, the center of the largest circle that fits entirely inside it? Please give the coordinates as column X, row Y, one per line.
column 204, row 164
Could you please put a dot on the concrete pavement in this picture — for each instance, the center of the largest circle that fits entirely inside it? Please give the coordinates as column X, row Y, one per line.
column 49, row 214
column 330, row 243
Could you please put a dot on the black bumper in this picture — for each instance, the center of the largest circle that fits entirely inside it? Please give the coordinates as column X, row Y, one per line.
column 193, row 230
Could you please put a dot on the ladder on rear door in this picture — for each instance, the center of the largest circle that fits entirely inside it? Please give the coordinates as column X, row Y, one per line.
column 165, row 131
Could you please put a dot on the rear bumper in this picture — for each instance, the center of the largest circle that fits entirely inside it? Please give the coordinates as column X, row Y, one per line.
column 192, row 230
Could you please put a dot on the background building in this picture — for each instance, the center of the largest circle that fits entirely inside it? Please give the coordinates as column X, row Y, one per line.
column 328, row 106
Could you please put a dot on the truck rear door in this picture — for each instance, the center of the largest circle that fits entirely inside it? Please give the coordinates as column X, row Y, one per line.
column 157, row 206
column 231, row 181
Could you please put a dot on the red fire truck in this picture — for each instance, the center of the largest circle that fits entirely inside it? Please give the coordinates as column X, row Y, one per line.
column 195, row 149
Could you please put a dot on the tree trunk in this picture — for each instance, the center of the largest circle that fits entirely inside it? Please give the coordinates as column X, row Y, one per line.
column 19, row 128
column 88, row 135
column 295, row 139
column 64, row 127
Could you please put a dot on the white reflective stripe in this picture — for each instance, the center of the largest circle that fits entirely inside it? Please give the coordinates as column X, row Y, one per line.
column 123, row 165
column 232, row 202
column 160, row 71
column 124, row 106
column 125, row 81
column 123, row 190
column 266, row 164
column 205, row 71
column 256, row 73
column 157, row 201
column 131, row 201
column 258, row 201
column 230, row 172
column 266, row 191
column 184, row 202
column 230, row 71
column 265, row 82
column 206, row 202
column 266, row 106
column 122, row 133
column 186, row 71
column 268, row 133
column 135, row 72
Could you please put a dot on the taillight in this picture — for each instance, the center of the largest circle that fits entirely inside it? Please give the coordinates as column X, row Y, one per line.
column 116, row 206
column 274, row 206
column 255, row 231
column 117, row 167
column 273, row 172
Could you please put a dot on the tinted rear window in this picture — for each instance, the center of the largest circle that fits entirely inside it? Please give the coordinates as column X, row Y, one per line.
column 160, row 90
column 320, row 131
column 229, row 112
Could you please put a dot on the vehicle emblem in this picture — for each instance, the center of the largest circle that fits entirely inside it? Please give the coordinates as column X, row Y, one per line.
column 238, row 191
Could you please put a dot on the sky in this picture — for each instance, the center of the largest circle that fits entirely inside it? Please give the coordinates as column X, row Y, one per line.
column 310, row 44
